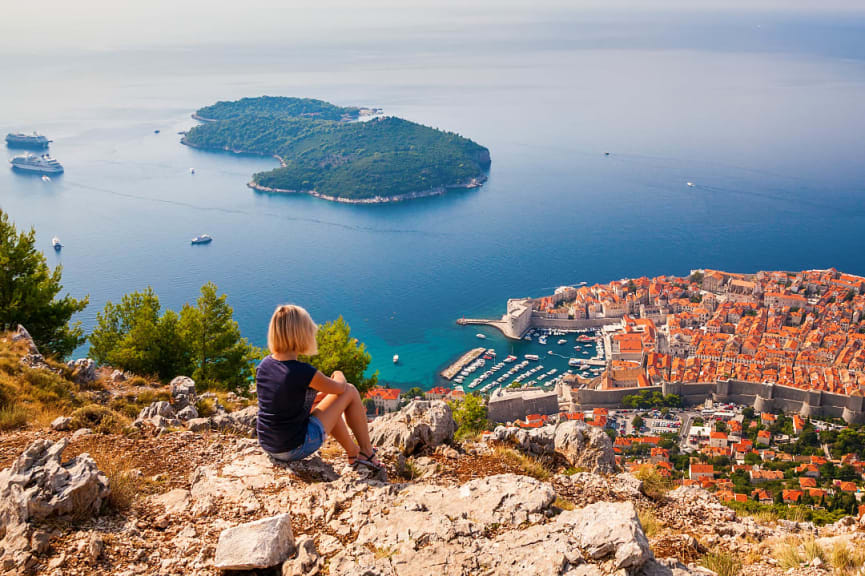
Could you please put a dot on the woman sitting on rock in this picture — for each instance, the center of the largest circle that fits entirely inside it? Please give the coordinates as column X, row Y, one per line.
column 298, row 405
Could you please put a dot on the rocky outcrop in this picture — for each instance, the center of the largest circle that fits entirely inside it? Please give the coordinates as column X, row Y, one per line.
column 158, row 414
column 260, row 544
column 39, row 486
column 32, row 358
column 183, row 392
column 83, row 370
column 585, row 447
column 421, row 424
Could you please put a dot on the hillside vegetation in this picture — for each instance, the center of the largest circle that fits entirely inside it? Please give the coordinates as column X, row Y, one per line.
column 384, row 158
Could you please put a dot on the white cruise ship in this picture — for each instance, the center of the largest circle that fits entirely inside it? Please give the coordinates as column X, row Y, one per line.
column 20, row 140
column 43, row 164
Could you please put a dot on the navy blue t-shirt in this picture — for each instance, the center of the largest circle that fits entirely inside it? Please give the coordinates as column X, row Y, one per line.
column 284, row 403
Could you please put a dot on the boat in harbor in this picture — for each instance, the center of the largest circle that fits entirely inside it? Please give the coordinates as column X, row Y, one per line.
column 510, row 358
column 43, row 164
column 480, row 336
column 21, row 140
column 202, row 239
column 542, row 340
column 396, row 358
column 562, row 341
column 690, row 184
column 55, row 243
column 46, row 178
column 574, row 362
column 534, row 357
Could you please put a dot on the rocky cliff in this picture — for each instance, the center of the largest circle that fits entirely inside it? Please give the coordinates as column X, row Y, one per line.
column 181, row 493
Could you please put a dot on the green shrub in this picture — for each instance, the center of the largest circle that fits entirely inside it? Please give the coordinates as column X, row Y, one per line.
column 47, row 387
column 206, row 407
column 100, row 419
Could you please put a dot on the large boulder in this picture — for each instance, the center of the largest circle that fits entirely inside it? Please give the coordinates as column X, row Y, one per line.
column 419, row 425
column 583, row 446
column 261, row 544
column 245, row 419
column 39, row 486
column 586, row 447
column 182, row 385
column 609, row 530
column 159, row 414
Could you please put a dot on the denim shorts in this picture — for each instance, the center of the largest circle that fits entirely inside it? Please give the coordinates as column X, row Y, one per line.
column 315, row 436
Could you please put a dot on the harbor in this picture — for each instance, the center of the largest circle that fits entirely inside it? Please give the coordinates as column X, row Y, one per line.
column 539, row 360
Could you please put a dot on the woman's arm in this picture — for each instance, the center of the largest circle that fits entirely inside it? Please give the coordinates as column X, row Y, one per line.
column 327, row 385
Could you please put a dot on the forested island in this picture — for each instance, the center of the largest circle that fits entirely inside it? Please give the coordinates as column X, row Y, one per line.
column 326, row 152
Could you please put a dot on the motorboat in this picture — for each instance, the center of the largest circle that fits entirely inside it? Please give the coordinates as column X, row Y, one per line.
column 395, row 358
column 203, row 239
column 55, row 242
column 481, row 336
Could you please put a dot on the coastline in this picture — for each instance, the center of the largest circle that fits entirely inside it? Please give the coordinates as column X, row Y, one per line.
column 438, row 191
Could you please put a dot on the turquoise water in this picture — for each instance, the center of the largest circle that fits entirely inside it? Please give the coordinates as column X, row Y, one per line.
column 764, row 113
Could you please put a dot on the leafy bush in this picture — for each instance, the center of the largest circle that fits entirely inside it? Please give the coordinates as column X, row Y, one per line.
column 100, row 419
column 470, row 414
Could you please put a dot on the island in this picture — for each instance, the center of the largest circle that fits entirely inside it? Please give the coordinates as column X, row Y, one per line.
column 342, row 154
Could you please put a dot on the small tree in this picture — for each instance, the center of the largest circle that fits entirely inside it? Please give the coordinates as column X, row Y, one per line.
column 414, row 392
column 29, row 294
column 337, row 350
column 637, row 422
column 470, row 414
column 220, row 356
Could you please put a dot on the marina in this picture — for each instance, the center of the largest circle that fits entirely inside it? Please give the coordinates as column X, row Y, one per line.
column 480, row 371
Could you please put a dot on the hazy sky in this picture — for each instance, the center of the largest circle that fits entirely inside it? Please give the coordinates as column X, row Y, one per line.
column 117, row 24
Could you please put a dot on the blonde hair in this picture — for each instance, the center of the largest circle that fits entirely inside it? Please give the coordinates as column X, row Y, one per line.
column 292, row 330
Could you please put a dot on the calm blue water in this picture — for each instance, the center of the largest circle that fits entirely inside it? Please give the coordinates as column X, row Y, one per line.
column 765, row 113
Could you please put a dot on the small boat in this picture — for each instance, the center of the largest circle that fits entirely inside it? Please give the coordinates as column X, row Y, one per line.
column 156, row 131
column 573, row 362
column 606, row 153
column 562, row 341
column 46, row 179
column 690, row 184
column 534, row 357
column 203, row 239
column 396, row 358
column 55, row 242
column 550, row 352
column 481, row 336
column 192, row 170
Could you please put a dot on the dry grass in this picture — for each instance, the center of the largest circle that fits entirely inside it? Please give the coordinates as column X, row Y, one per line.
column 206, row 407
column 655, row 486
column 529, row 465
column 13, row 416
column 563, row 503
column 787, row 553
column 722, row 563
column 847, row 560
column 100, row 419
column 124, row 482
column 650, row 523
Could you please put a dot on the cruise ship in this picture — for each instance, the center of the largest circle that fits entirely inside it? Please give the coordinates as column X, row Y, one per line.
column 43, row 164
column 20, row 140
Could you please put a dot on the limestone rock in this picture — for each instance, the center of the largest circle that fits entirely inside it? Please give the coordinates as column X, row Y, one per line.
column 420, row 424
column 586, row 447
column 198, row 424
column 188, row 413
column 118, row 376
column 583, row 446
column 306, row 563
column 246, row 418
column 83, row 370
column 81, row 433
column 182, row 385
column 39, row 486
column 260, row 544
column 61, row 423
column 159, row 414
column 609, row 530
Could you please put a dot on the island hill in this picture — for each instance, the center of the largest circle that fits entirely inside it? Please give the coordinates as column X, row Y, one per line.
column 326, row 151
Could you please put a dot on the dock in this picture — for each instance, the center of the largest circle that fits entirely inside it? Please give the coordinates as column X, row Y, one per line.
column 466, row 359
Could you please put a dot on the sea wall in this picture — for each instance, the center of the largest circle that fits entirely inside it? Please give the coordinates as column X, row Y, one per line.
column 764, row 397
column 509, row 406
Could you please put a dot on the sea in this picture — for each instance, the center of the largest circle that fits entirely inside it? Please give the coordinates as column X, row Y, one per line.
column 763, row 111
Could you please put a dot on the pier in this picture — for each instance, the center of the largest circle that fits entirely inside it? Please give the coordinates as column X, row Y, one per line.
column 464, row 361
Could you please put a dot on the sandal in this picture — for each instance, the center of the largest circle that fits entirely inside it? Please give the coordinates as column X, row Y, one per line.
column 368, row 460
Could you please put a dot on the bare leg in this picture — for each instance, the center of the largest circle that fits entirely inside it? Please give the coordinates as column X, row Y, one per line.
column 330, row 410
column 340, row 432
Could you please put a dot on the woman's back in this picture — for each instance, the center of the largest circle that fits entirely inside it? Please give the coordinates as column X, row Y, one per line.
column 284, row 403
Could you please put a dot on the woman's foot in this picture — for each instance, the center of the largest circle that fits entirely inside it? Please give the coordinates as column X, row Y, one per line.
column 367, row 460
